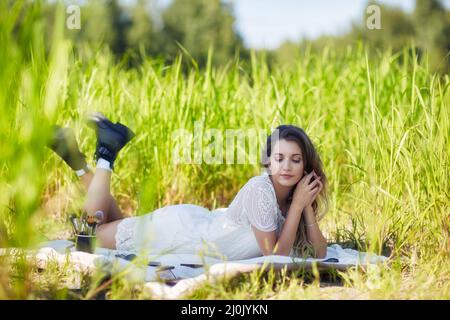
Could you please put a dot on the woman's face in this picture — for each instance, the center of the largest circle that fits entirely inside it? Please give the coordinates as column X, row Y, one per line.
column 286, row 163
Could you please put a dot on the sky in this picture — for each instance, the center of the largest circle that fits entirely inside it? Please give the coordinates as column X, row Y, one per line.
column 268, row 23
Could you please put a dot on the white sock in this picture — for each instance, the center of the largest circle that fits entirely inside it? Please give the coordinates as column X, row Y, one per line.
column 82, row 172
column 103, row 164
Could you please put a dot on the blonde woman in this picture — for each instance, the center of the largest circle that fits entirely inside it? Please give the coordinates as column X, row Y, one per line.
column 275, row 213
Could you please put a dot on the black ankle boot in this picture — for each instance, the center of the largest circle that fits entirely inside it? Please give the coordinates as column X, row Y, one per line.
column 111, row 137
column 65, row 145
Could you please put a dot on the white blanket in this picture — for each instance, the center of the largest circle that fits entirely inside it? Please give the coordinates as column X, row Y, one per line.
column 187, row 278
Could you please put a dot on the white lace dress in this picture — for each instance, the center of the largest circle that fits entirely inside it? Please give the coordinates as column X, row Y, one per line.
column 225, row 233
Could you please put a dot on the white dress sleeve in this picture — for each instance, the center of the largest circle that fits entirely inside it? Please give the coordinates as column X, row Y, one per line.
column 260, row 207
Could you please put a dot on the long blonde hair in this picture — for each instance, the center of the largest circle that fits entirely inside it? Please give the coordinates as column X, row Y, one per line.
column 302, row 247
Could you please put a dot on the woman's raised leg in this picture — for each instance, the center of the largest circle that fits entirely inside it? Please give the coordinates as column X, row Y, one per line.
column 99, row 198
column 65, row 145
column 111, row 138
column 113, row 212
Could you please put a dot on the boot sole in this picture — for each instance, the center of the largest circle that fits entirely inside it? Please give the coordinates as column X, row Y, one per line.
column 98, row 119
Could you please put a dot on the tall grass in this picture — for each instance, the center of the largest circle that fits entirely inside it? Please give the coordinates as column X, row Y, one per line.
column 380, row 121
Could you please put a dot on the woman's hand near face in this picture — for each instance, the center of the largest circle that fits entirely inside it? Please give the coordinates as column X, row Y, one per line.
column 306, row 191
column 320, row 184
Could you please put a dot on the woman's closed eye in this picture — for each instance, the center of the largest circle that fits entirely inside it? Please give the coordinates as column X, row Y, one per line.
column 296, row 161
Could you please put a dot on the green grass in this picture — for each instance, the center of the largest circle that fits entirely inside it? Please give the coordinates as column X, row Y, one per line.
column 380, row 121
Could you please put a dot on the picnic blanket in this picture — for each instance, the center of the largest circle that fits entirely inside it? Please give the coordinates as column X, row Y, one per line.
column 171, row 276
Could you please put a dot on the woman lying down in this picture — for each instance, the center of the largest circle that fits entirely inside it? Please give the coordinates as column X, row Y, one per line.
column 274, row 213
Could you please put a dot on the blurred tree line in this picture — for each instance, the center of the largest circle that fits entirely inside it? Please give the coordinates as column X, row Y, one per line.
column 139, row 28
column 134, row 29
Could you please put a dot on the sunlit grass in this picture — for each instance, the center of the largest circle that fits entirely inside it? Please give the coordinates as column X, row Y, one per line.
column 380, row 122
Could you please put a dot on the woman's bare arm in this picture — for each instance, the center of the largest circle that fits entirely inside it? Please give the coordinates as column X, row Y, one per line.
column 268, row 242
column 313, row 233
column 270, row 246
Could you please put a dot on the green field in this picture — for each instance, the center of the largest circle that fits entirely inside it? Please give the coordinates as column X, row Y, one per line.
column 380, row 121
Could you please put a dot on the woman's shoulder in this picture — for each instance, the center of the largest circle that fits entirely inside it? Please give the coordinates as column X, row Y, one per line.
column 258, row 191
column 261, row 179
column 255, row 186
column 260, row 183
